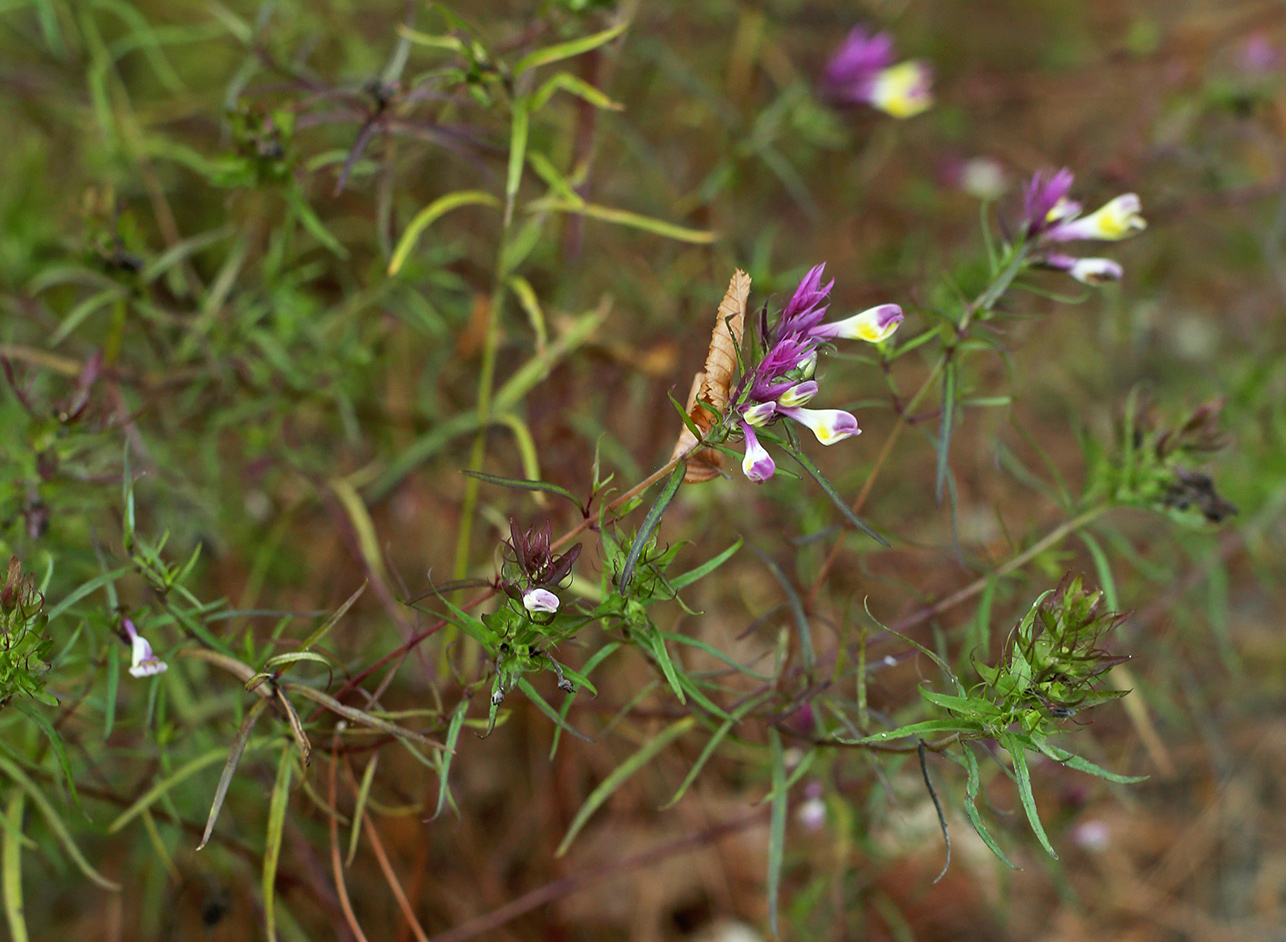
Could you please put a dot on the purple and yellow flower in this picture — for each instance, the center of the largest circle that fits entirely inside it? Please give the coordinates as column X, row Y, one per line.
column 1049, row 216
column 758, row 464
column 862, row 71
column 1088, row 271
column 143, row 663
column 1115, row 220
column 782, row 383
column 829, row 425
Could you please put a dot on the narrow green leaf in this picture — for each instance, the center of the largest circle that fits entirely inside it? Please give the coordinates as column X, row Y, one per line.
column 234, row 756
column 598, row 657
column 1104, row 570
column 815, row 473
column 656, row 645
column 713, row 652
column 430, row 214
column 566, row 82
column 444, row 770
column 77, row 315
column 55, row 822
column 526, row 296
column 12, row 867
column 618, row 776
column 776, row 828
column 622, row 217
column 1023, row 778
column 81, row 591
column 567, row 50
column 543, row 705
column 650, row 523
column 965, row 706
column 295, row 657
column 700, row 572
column 713, row 744
column 272, row 841
column 363, row 793
column 971, row 807
column 522, row 485
column 113, row 680
column 180, row 251
column 517, row 155
column 181, row 774
column 918, row 729
column 944, row 427
column 313, row 225
column 60, row 753
column 331, row 621
column 1085, row 765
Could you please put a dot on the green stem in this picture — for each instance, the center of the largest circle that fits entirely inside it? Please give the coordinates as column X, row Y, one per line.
column 1052, row 538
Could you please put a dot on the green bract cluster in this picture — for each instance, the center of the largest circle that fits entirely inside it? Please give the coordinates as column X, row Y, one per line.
column 1156, row 466
column 1055, row 656
column 24, row 646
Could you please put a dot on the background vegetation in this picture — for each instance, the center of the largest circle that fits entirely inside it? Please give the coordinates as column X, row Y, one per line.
column 268, row 270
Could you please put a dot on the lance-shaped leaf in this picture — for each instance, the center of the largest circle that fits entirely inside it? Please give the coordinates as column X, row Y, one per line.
column 650, row 523
column 272, row 841
column 618, row 776
column 229, row 767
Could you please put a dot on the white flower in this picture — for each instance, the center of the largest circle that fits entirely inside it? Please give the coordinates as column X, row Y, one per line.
column 143, row 663
column 539, row 600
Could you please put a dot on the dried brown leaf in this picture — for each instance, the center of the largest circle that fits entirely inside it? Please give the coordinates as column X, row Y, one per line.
column 713, row 385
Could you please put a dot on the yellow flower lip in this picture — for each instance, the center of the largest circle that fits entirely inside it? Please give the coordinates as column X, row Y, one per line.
column 903, row 90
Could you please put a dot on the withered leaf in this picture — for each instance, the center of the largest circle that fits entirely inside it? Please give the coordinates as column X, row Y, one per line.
column 713, row 384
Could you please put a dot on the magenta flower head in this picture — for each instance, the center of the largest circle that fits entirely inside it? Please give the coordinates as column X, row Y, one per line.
column 782, row 382
column 540, row 571
column 862, row 72
column 1045, row 201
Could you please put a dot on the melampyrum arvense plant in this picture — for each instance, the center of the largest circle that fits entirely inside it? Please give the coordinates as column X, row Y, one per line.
column 147, row 343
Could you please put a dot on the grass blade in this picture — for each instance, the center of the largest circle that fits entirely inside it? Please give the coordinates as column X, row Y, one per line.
column 430, row 214
column 776, row 828
column 1023, row 777
column 333, row 619
column 363, row 792
column 56, row 742
column 815, row 473
column 229, row 767
column 524, row 485
column 944, row 428
column 56, row 824
column 113, row 680
column 971, row 807
column 12, row 867
column 272, row 841
column 567, row 50
column 622, row 217
column 712, row 745
column 650, row 523
column 620, row 774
